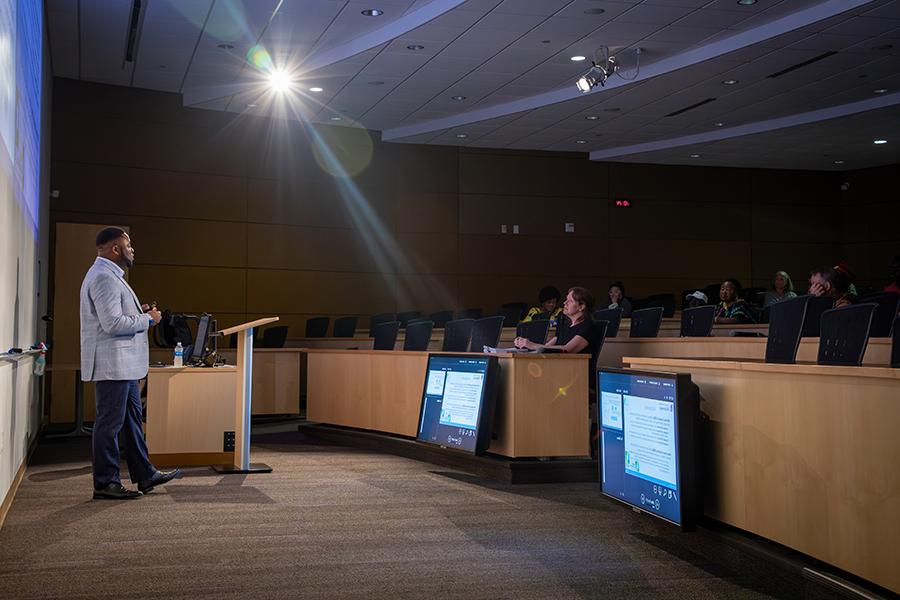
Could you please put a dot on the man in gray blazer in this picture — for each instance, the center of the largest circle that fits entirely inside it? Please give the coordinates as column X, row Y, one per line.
column 115, row 355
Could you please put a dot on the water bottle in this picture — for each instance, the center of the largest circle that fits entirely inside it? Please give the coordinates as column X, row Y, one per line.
column 40, row 364
column 179, row 355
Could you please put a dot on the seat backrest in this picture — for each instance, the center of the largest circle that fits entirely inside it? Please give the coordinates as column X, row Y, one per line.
column 785, row 326
column 697, row 321
column 883, row 319
column 646, row 322
column 817, row 305
column 376, row 320
column 418, row 336
column 470, row 313
column 274, row 337
column 534, row 331
column 441, row 317
column 317, row 327
column 613, row 317
column 345, row 327
column 844, row 334
column 666, row 301
column 895, row 345
column 486, row 332
column 457, row 335
column 512, row 313
column 385, row 335
column 406, row 317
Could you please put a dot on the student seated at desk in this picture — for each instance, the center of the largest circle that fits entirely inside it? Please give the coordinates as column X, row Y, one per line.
column 576, row 333
column 548, row 302
column 617, row 298
column 782, row 289
column 695, row 299
column 836, row 282
column 732, row 309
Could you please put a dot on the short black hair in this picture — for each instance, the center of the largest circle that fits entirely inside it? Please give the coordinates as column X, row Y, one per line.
column 109, row 234
column 737, row 284
column 548, row 292
column 619, row 285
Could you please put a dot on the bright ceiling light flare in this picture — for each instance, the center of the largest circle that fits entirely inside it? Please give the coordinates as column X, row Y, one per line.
column 279, row 80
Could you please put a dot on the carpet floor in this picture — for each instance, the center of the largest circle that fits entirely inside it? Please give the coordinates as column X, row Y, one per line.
column 335, row 522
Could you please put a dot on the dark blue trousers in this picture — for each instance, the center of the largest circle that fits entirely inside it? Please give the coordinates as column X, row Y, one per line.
column 119, row 410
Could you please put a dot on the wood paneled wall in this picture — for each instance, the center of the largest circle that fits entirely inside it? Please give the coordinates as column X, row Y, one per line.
column 240, row 216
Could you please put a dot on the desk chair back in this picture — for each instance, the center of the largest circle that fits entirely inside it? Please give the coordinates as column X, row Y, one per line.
column 785, row 326
column 844, row 334
column 812, row 323
column 513, row 312
column 646, row 322
column 345, row 327
column 317, row 327
column 457, row 335
column 470, row 313
column 883, row 319
column 385, row 335
column 376, row 320
column 486, row 332
column 698, row 321
column 406, row 317
column 418, row 335
column 895, row 345
column 274, row 337
column 534, row 331
column 613, row 318
column 440, row 318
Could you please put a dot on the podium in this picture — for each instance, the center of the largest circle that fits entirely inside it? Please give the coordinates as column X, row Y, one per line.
column 242, row 399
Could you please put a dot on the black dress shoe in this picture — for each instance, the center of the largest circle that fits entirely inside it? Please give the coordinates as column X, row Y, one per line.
column 115, row 491
column 158, row 478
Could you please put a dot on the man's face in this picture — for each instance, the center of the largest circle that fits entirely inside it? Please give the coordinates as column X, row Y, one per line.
column 125, row 250
column 727, row 292
column 816, row 280
column 549, row 305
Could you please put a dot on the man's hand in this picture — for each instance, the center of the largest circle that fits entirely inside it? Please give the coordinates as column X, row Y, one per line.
column 155, row 315
column 817, row 289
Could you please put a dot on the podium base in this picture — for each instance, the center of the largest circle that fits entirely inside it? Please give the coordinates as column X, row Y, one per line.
column 233, row 470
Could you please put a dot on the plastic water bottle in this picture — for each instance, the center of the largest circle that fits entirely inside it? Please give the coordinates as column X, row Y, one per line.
column 179, row 355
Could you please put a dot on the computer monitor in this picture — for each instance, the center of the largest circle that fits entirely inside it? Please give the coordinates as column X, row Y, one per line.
column 649, row 434
column 458, row 402
column 196, row 353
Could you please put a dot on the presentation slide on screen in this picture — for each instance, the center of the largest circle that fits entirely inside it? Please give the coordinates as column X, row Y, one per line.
column 435, row 386
column 462, row 399
column 650, row 439
column 611, row 410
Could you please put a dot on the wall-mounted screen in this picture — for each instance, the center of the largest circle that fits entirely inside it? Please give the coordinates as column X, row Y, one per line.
column 458, row 401
column 649, row 424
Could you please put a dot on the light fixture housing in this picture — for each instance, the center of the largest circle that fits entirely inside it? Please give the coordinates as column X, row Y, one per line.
column 581, row 141
column 695, row 156
column 880, row 91
column 415, row 47
column 592, row 118
column 462, row 136
column 316, row 89
column 373, row 12
column 279, row 80
column 746, row 2
column 729, row 81
column 577, row 58
column 596, row 75
column 879, row 142
column 458, row 98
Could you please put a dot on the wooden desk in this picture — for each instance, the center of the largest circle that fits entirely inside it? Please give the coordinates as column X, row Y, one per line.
column 188, row 411
column 276, row 379
column 878, row 352
column 805, row 455
column 671, row 327
column 542, row 409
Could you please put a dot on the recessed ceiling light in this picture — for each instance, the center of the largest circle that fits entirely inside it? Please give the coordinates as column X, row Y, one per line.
column 746, row 2
column 335, row 118
column 415, row 47
column 730, row 81
column 879, row 142
column 695, row 156
column 376, row 83
column 838, row 162
column 316, row 89
column 462, row 135
column 373, row 12
column 279, row 80
column 880, row 91
column 251, row 106
column 458, row 98
column 592, row 117
column 719, row 124
column 595, row 11
column 577, row 58
column 581, row 141
column 226, row 46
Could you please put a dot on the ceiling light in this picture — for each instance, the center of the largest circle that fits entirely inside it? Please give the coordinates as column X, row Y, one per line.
column 695, row 156
column 458, row 98
column 279, row 80
column 746, row 2
column 581, row 141
column 719, row 124
column 592, row 117
column 373, row 12
column 880, row 91
column 730, row 81
column 335, row 118
column 577, row 58
column 838, row 162
column 879, row 142
column 316, row 89
column 251, row 106
column 415, row 47
column 601, row 71
column 226, row 46
column 462, row 135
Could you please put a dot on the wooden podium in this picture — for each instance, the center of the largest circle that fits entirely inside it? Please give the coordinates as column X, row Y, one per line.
column 242, row 399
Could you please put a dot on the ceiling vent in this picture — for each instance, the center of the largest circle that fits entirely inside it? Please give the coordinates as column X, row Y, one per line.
column 691, row 107
column 803, row 64
column 133, row 29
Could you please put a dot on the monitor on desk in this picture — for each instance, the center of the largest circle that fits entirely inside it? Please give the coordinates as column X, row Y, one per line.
column 458, row 401
column 196, row 353
column 649, row 431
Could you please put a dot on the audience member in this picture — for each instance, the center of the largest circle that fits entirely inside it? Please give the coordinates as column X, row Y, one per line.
column 782, row 289
column 695, row 299
column 732, row 310
column 894, row 276
column 834, row 281
column 617, row 298
column 548, row 302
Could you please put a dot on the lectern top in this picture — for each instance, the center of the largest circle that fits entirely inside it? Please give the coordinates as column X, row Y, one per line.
column 243, row 326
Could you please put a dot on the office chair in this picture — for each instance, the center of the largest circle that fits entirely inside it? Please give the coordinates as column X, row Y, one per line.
column 317, row 327
column 385, row 335
column 785, row 326
column 457, row 335
column 418, row 335
column 470, row 313
column 345, row 327
column 817, row 305
column 844, row 334
column 613, row 318
column 512, row 313
column 895, row 344
column 440, row 318
column 666, row 301
column 274, row 337
column 883, row 319
column 486, row 332
column 646, row 322
column 534, row 331
column 406, row 317
column 698, row 321
column 376, row 320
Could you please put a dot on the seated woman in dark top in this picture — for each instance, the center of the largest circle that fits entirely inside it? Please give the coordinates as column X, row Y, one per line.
column 732, row 310
column 576, row 332
column 617, row 299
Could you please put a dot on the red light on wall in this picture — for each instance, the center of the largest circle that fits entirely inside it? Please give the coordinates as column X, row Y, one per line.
column 623, row 203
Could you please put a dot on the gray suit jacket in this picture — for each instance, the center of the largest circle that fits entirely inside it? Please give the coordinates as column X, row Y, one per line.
column 114, row 342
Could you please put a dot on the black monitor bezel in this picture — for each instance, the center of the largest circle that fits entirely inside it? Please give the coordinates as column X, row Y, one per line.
column 687, row 411
column 483, row 427
column 195, row 356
